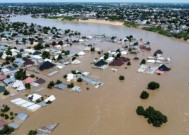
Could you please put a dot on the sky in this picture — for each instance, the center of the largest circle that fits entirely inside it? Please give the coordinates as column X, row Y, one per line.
column 159, row 1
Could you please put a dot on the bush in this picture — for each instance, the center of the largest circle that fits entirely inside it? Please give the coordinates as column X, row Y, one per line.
column 92, row 49
column 32, row 132
column 32, row 76
column 27, row 85
column 50, row 85
column 140, row 110
column 121, row 77
column 58, row 82
column 144, row 95
column 79, row 80
column 153, row 85
column 6, row 130
column 65, row 76
column 5, row 108
column 154, row 117
column 71, row 85
column 143, row 62
column 6, row 92
column 129, row 63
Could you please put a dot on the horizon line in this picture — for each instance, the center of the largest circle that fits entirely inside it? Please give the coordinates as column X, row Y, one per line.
column 97, row 2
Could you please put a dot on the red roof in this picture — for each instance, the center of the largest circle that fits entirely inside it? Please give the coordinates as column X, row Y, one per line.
column 29, row 80
column 119, row 61
column 28, row 62
column 3, row 77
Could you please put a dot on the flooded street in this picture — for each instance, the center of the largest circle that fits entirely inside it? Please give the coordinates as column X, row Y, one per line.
column 111, row 109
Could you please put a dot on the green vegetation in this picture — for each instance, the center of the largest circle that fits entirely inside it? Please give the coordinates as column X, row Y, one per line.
column 32, row 132
column 45, row 55
column 121, row 77
column 20, row 75
column 131, row 24
column 129, row 63
column 79, row 80
column 68, row 18
column 92, row 49
column 53, row 17
column 153, row 85
column 27, row 85
column 154, row 117
column 5, row 109
column 71, row 85
column 143, row 62
column 183, row 34
column 144, row 95
column 6, row 130
column 6, row 92
column 50, row 85
column 158, row 30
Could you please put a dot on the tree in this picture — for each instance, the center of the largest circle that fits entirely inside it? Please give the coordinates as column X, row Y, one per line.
column 6, row 130
column 79, row 80
column 121, row 77
column 59, row 57
column 140, row 110
column 92, row 49
column 144, row 95
column 5, row 109
column 58, row 82
column 27, row 85
column 6, row 92
column 38, row 47
column 32, row 132
column 143, row 62
column 153, row 85
column 20, row 75
column 53, row 43
column 154, row 117
column 45, row 55
column 71, row 85
column 60, row 42
column 50, row 85
column 129, row 63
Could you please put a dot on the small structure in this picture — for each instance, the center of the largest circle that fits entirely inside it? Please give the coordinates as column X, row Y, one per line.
column 29, row 80
column 2, row 89
column 28, row 62
column 22, row 116
column 14, row 125
column 164, row 68
column 61, row 86
column 40, row 81
column 19, row 85
column 76, row 89
column 51, row 99
column 34, row 97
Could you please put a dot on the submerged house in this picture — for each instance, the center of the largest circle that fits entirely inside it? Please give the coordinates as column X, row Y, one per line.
column 164, row 68
column 101, row 64
column 46, row 65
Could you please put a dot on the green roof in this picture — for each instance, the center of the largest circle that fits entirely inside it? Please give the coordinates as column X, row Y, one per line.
column 2, row 89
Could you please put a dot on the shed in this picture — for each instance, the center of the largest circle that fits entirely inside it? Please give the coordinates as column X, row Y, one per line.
column 22, row 116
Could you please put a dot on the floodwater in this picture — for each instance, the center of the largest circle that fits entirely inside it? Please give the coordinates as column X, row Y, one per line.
column 110, row 109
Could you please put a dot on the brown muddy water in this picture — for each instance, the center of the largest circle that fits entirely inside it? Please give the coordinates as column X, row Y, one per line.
column 110, row 109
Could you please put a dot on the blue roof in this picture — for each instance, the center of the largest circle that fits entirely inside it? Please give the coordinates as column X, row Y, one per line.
column 43, row 103
column 9, row 80
column 91, row 81
column 22, row 116
column 14, row 125
column 61, row 86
